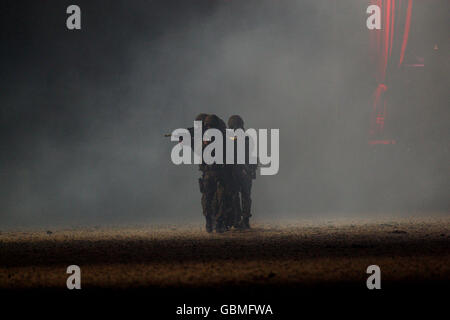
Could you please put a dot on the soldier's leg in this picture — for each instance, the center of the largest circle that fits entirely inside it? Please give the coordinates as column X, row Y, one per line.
column 246, row 190
column 205, row 203
column 208, row 218
column 220, row 216
column 201, row 183
column 229, row 202
column 226, row 207
column 234, row 187
column 203, row 199
column 232, row 204
column 237, row 211
column 208, row 201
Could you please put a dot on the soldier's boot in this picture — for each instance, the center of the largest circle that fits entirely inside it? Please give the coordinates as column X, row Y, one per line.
column 209, row 224
column 229, row 222
column 220, row 226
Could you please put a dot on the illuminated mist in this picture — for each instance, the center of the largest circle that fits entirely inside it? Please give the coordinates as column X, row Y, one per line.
column 83, row 113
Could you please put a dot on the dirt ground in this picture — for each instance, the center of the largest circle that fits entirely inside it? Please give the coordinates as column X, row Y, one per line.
column 283, row 253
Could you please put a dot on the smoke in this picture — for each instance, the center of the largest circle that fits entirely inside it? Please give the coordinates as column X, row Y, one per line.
column 84, row 112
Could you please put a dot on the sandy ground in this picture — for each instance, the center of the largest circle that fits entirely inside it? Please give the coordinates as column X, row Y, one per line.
column 286, row 253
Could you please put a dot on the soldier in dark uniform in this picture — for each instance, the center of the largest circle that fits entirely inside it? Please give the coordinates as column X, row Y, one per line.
column 201, row 117
column 212, row 182
column 243, row 174
column 212, row 185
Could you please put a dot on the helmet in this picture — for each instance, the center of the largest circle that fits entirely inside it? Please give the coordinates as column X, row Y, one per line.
column 212, row 121
column 201, row 117
column 235, row 122
column 222, row 125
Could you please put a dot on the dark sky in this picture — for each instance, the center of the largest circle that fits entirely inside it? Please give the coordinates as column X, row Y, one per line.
column 83, row 113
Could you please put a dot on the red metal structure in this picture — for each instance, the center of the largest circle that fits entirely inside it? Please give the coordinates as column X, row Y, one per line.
column 388, row 46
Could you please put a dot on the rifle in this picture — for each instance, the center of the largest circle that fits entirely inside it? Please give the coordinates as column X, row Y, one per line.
column 191, row 132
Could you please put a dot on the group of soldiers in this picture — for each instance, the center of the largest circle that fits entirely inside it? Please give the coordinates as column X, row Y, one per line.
column 226, row 188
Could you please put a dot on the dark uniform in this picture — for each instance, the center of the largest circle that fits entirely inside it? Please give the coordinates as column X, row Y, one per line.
column 216, row 202
column 243, row 175
column 212, row 186
column 201, row 117
column 227, row 204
